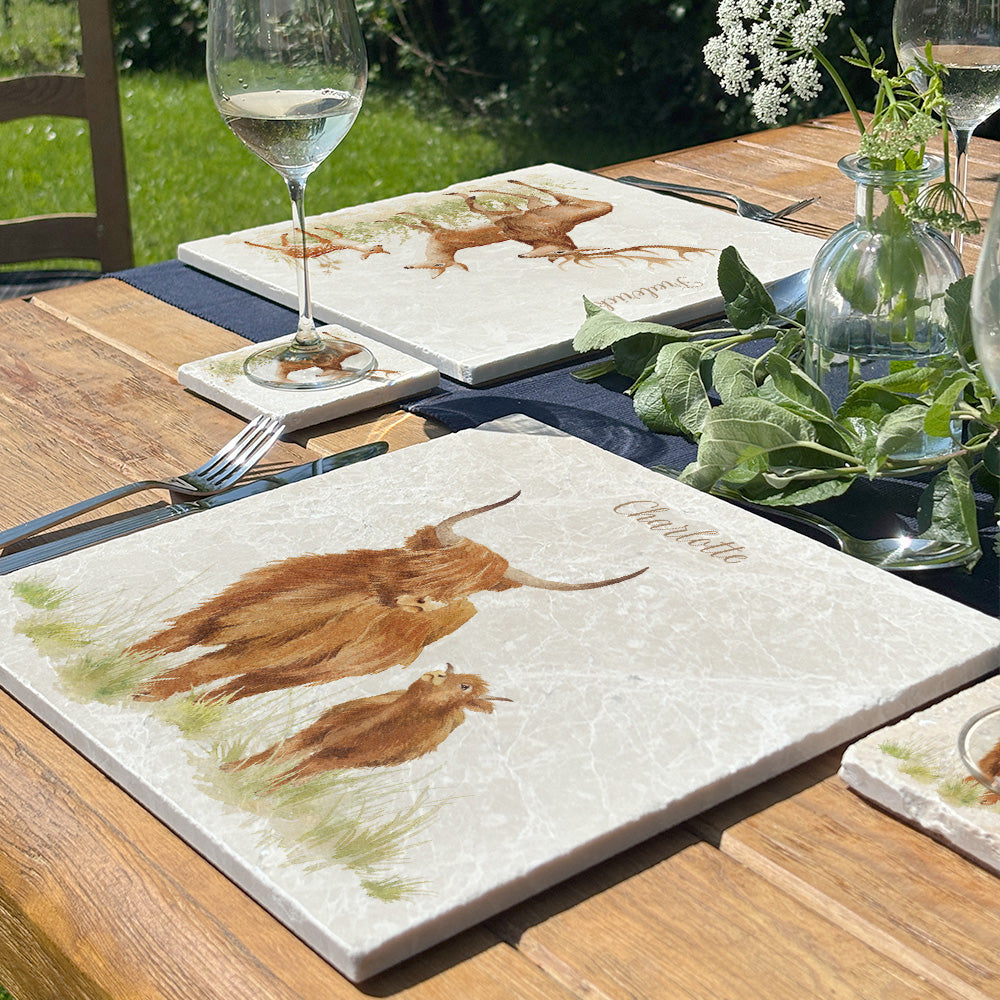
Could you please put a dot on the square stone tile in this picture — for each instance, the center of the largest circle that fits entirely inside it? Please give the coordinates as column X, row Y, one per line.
column 394, row 699
column 488, row 278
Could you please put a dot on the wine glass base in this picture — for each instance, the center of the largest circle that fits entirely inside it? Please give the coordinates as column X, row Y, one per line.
column 332, row 364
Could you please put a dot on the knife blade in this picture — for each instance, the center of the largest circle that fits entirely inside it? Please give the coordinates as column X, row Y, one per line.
column 161, row 515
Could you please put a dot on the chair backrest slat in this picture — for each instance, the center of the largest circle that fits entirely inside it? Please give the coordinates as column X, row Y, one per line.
column 43, row 94
column 48, row 237
column 114, row 231
column 106, row 234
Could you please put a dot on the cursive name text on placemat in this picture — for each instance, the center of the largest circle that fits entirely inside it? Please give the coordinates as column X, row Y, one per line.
column 651, row 515
column 648, row 291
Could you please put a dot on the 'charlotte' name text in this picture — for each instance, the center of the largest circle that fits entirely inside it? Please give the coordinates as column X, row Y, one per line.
column 652, row 516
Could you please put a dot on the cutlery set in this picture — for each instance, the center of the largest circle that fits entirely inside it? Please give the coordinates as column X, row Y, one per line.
column 210, row 485
column 224, row 468
column 746, row 209
column 87, row 537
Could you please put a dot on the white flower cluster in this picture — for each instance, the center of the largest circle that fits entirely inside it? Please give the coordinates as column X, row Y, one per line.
column 775, row 39
column 896, row 138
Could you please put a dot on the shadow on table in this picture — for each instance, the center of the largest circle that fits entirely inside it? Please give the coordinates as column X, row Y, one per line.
column 514, row 923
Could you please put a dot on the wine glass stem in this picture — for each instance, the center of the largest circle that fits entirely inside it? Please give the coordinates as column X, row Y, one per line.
column 962, row 137
column 305, row 336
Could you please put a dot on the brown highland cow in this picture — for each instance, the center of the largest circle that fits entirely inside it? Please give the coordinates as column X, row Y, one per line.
column 317, row 618
column 381, row 730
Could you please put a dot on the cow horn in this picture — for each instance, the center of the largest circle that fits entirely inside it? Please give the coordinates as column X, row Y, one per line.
column 527, row 580
column 445, row 532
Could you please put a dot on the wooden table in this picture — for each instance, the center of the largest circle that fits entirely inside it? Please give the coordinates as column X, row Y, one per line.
column 798, row 889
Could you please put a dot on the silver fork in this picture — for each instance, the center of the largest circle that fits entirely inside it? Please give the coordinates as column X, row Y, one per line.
column 227, row 465
column 745, row 208
column 900, row 554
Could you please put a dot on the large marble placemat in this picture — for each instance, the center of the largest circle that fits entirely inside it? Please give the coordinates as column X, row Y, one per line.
column 487, row 278
column 371, row 699
column 913, row 769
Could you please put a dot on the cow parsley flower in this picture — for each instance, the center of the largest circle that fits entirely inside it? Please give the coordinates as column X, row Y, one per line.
column 769, row 102
column 769, row 47
column 808, row 31
column 804, row 79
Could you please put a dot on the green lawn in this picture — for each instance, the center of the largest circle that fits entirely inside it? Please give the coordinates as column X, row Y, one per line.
column 189, row 177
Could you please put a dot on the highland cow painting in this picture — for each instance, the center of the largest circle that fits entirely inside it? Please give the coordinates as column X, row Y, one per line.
column 511, row 649
column 488, row 277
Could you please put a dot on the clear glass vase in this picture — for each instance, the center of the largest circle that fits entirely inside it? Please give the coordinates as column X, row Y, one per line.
column 876, row 299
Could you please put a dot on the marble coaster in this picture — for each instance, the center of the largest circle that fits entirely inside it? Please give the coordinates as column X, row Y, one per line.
column 395, row 699
column 913, row 769
column 488, row 278
column 220, row 378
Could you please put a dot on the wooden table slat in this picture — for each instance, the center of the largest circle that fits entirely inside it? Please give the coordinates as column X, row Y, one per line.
column 106, row 421
column 917, row 901
column 691, row 922
column 797, row 889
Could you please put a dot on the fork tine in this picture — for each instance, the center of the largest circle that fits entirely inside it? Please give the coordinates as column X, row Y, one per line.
column 248, row 431
column 232, row 450
column 250, row 460
column 789, row 209
column 251, row 449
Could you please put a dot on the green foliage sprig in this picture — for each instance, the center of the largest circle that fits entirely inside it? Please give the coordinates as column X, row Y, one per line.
column 765, row 429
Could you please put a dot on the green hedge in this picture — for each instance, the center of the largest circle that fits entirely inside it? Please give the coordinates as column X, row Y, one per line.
column 161, row 34
column 616, row 66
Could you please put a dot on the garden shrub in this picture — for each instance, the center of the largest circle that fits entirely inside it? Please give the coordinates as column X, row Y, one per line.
column 161, row 34
column 44, row 39
column 618, row 66
column 611, row 66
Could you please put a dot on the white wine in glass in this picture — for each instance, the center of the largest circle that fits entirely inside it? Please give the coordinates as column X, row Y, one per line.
column 965, row 38
column 288, row 78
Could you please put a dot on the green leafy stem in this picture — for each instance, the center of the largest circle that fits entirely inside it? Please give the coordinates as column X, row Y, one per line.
column 765, row 429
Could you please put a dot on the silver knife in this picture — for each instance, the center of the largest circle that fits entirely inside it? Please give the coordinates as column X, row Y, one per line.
column 161, row 515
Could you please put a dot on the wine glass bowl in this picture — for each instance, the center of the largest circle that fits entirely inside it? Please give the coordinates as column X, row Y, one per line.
column 984, row 302
column 288, row 78
column 964, row 36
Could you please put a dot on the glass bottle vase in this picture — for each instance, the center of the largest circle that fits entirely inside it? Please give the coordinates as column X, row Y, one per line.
column 876, row 298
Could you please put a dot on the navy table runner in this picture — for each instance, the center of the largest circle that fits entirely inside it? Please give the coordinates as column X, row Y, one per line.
column 595, row 412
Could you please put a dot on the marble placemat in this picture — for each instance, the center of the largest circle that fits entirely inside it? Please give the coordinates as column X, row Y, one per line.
column 913, row 769
column 487, row 278
column 395, row 699
column 221, row 380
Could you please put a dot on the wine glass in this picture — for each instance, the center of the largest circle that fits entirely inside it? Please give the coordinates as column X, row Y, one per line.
column 984, row 301
column 965, row 38
column 288, row 78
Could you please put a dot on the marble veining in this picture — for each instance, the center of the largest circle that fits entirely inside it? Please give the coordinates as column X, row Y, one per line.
column 488, row 278
column 631, row 705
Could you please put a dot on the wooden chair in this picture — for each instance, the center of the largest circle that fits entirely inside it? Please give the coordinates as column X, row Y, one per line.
column 104, row 236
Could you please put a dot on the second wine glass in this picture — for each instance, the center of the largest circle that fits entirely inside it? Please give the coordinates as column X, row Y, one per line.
column 965, row 39
column 288, row 78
